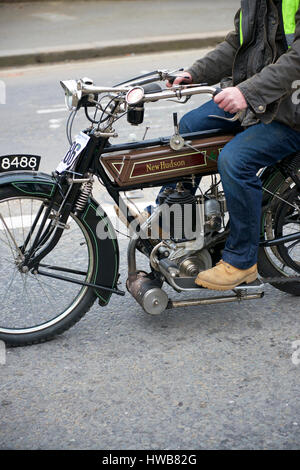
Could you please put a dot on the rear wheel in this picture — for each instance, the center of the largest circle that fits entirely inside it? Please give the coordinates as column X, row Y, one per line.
column 281, row 218
column 34, row 307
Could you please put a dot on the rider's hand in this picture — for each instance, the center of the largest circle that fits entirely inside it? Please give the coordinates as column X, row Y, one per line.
column 180, row 77
column 231, row 99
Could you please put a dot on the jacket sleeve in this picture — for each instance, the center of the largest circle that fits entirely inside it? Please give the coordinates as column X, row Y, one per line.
column 275, row 81
column 218, row 63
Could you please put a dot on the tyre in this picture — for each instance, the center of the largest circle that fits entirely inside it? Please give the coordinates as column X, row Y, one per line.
column 34, row 307
column 281, row 217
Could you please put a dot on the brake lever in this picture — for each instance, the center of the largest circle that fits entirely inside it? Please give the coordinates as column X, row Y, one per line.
column 238, row 116
column 180, row 102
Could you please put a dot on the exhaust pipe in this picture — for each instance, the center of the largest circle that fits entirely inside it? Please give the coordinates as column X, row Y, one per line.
column 148, row 293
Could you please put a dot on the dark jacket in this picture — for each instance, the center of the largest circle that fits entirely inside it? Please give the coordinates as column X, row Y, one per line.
column 263, row 67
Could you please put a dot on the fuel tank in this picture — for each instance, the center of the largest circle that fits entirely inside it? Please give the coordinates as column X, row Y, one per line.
column 160, row 163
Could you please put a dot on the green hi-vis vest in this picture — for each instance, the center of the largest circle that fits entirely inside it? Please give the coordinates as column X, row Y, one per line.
column 289, row 10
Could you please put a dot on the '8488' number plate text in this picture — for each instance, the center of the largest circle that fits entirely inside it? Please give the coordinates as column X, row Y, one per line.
column 19, row 162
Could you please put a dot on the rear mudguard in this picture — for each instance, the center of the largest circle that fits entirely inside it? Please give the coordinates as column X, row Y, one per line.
column 94, row 219
column 273, row 177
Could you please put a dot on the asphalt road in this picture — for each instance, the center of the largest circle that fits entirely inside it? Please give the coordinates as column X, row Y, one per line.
column 215, row 377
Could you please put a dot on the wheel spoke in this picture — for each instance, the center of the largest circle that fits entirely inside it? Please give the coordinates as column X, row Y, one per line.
column 22, row 221
column 42, row 287
column 34, row 276
column 11, row 235
column 25, row 292
column 5, row 242
column 292, row 245
column 6, row 293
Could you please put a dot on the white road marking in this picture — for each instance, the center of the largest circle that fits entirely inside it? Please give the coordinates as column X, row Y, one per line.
column 26, row 220
column 53, row 17
column 51, row 110
column 17, row 221
column 55, row 123
column 60, row 110
column 57, row 108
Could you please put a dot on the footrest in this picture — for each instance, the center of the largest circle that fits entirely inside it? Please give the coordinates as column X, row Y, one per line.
column 252, row 288
column 186, row 283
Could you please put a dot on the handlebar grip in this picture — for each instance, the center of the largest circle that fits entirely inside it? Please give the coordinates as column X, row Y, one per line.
column 152, row 88
column 172, row 78
column 218, row 90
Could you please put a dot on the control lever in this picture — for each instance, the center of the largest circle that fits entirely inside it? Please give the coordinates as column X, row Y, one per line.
column 176, row 141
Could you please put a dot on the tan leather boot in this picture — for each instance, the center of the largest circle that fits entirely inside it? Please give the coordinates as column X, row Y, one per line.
column 223, row 276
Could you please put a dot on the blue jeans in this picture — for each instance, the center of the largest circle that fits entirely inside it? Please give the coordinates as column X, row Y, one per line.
column 255, row 147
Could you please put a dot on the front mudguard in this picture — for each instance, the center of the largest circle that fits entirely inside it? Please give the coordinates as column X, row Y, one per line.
column 29, row 182
column 93, row 218
column 105, row 248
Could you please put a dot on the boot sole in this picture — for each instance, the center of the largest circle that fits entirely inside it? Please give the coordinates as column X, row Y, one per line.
column 208, row 285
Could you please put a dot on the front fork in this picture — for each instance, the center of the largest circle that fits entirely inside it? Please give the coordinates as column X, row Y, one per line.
column 66, row 196
column 57, row 224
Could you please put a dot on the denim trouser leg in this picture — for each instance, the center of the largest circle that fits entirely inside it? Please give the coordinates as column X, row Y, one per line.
column 198, row 120
column 256, row 147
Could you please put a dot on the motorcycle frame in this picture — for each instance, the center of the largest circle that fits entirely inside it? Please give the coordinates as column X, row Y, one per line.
column 89, row 161
column 114, row 190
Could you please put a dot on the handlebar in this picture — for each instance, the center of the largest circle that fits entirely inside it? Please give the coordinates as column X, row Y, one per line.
column 129, row 97
column 177, row 91
column 134, row 92
column 75, row 90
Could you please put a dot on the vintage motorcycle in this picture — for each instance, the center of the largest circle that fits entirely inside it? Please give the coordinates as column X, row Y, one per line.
column 59, row 250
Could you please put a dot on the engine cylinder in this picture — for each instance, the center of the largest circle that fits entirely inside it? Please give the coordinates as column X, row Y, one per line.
column 179, row 215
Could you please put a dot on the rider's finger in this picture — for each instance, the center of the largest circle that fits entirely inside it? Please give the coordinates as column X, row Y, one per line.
column 230, row 109
column 220, row 97
column 183, row 79
column 225, row 102
column 178, row 80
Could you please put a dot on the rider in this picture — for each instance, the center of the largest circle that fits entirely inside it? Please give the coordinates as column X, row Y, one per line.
column 262, row 59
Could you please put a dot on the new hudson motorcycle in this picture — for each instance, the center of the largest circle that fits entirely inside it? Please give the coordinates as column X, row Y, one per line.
column 59, row 250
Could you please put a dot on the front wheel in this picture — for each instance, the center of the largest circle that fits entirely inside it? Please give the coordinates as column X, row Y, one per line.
column 35, row 308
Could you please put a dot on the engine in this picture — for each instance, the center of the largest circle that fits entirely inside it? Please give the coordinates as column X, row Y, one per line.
column 186, row 222
column 181, row 226
column 184, row 217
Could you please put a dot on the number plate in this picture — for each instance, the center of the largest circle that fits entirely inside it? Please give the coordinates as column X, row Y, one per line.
column 19, row 162
column 80, row 142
